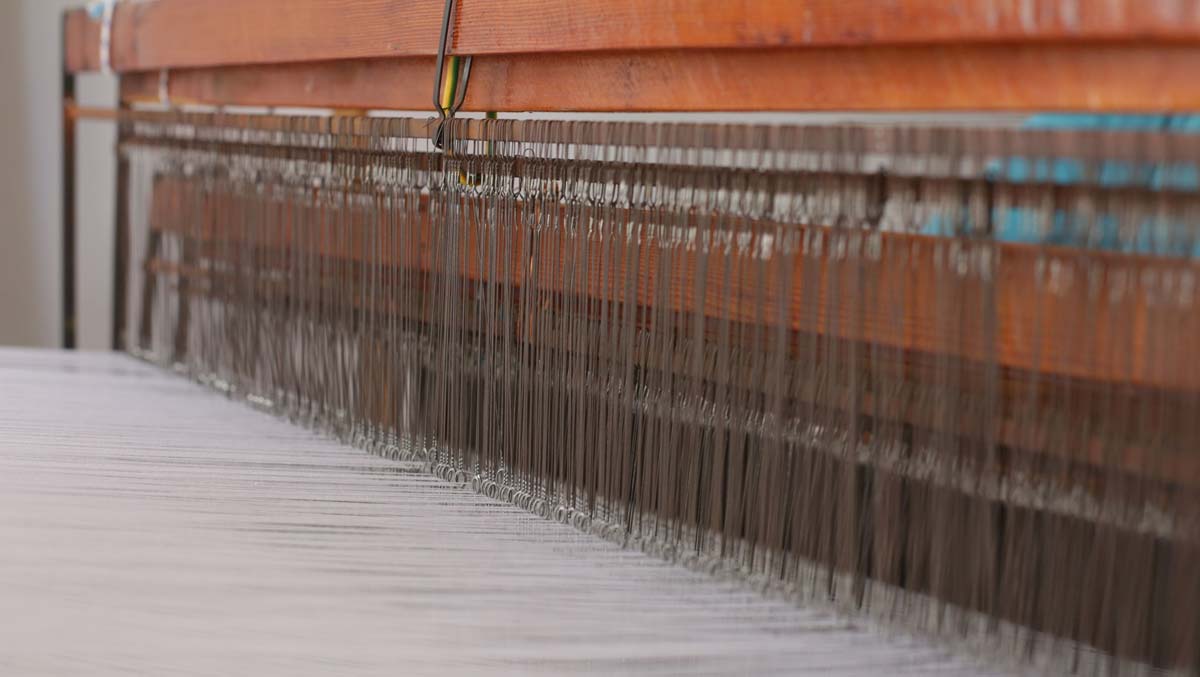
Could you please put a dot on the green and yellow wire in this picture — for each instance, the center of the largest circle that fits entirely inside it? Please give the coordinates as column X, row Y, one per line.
column 449, row 88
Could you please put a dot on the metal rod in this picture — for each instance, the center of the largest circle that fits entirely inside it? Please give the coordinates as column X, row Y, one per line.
column 68, row 203
column 120, row 244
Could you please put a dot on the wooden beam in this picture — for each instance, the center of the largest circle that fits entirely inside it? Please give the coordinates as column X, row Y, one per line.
column 157, row 34
column 1006, row 77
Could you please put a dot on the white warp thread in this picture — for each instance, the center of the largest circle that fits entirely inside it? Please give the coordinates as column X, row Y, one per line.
column 151, row 525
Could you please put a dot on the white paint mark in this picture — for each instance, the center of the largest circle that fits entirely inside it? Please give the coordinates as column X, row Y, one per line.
column 1068, row 11
column 1028, row 16
column 992, row 16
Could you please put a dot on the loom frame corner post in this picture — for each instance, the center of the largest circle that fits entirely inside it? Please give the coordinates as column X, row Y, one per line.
column 121, row 237
column 68, row 225
column 78, row 30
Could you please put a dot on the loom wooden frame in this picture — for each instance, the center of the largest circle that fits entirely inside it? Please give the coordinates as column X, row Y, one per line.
column 675, row 55
column 631, row 55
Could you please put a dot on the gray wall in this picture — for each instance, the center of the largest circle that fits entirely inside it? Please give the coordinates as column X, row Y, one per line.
column 30, row 185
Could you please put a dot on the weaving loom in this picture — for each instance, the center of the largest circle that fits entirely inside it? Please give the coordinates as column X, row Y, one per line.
column 935, row 378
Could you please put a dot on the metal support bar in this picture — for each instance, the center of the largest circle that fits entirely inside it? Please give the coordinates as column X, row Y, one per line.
column 121, row 245
column 68, row 204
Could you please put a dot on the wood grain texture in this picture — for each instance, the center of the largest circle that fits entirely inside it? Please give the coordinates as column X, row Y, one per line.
column 158, row 34
column 1139, row 77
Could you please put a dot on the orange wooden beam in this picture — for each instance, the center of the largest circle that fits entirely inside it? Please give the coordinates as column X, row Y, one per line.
column 157, row 34
column 1003, row 77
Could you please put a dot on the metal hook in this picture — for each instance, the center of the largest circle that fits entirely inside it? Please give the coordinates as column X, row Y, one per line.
column 447, row 103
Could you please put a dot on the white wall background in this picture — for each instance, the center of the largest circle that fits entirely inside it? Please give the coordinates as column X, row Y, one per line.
column 31, row 187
